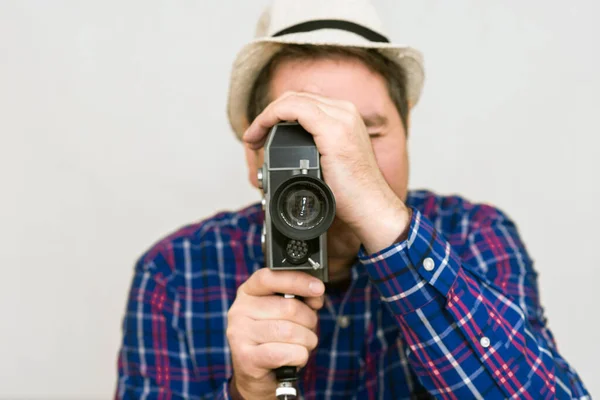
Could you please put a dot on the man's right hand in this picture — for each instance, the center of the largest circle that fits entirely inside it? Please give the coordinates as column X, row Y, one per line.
column 266, row 331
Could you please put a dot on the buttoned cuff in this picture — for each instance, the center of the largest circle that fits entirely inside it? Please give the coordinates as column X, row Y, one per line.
column 411, row 273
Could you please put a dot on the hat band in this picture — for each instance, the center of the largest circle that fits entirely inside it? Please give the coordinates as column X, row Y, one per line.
column 348, row 26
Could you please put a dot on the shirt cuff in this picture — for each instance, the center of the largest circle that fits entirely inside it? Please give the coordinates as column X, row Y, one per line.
column 411, row 273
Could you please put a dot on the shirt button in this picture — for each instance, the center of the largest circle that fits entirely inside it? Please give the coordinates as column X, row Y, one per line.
column 428, row 264
column 343, row 321
column 485, row 342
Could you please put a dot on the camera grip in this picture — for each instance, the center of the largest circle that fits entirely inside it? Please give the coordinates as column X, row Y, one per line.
column 286, row 375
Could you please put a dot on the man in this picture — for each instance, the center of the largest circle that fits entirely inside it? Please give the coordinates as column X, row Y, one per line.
column 428, row 295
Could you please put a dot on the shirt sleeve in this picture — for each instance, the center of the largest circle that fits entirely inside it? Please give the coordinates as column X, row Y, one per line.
column 471, row 316
column 154, row 361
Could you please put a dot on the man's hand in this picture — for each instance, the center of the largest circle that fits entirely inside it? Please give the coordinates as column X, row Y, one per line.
column 266, row 331
column 364, row 200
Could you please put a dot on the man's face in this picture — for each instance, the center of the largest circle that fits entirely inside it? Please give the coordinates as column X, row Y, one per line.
column 348, row 79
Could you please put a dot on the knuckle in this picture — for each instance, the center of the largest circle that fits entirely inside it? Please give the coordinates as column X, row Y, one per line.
column 274, row 356
column 231, row 334
column 320, row 302
column 297, row 279
column 303, row 355
column 288, row 93
column 350, row 106
column 240, row 290
column 237, row 305
column 349, row 121
column 313, row 341
column 313, row 109
column 231, row 316
column 313, row 320
column 315, row 303
column 262, row 277
column 339, row 130
column 355, row 119
column 321, row 115
column 283, row 331
column 289, row 309
column 286, row 97
column 243, row 354
column 235, row 335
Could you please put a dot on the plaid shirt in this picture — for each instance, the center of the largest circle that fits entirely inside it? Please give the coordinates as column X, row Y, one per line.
column 453, row 311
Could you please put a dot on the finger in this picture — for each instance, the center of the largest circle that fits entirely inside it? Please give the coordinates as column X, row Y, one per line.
column 307, row 112
column 315, row 303
column 312, row 93
column 342, row 104
column 282, row 331
column 279, row 308
column 339, row 110
column 275, row 355
column 265, row 282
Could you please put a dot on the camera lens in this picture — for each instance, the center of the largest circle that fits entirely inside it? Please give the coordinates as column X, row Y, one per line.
column 303, row 209
column 302, row 205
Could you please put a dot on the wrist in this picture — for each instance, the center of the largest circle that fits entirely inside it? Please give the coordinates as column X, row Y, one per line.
column 234, row 393
column 387, row 223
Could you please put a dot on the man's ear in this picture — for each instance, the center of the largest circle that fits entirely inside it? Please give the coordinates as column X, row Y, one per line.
column 254, row 160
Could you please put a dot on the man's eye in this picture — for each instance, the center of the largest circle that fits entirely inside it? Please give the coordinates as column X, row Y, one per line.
column 374, row 135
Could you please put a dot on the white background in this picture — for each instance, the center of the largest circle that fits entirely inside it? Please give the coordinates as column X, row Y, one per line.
column 113, row 133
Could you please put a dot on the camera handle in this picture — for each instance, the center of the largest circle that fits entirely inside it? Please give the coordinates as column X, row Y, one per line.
column 286, row 376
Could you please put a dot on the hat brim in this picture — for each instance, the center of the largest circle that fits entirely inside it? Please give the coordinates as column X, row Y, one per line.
column 255, row 55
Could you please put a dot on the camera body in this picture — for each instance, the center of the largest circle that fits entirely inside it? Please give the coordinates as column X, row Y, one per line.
column 299, row 207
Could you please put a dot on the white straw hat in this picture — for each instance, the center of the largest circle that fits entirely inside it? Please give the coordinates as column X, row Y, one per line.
column 346, row 23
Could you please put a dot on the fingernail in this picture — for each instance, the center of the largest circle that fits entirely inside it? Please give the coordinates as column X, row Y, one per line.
column 316, row 287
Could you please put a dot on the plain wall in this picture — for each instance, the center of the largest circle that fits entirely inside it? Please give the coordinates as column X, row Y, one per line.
column 113, row 133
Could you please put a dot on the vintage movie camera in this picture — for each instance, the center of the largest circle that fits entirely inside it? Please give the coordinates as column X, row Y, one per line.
column 299, row 207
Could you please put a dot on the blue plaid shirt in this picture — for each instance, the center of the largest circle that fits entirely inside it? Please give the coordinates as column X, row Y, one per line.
column 452, row 312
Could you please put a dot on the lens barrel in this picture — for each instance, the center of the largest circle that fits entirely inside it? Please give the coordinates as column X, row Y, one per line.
column 302, row 207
